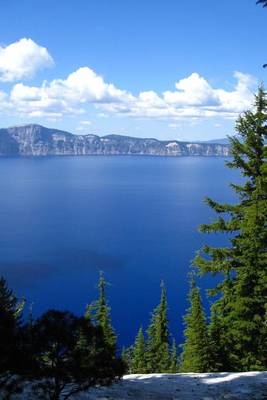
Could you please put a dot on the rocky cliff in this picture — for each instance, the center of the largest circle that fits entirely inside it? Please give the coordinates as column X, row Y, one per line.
column 36, row 140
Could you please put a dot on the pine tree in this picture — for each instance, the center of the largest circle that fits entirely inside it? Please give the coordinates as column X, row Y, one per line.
column 9, row 302
column 127, row 358
column 71, row 356
column 174, row 360
column 263, row 2
column 138, row 365
column 241, row 307
column 158, row 357
column 99, row 313
column 10, row 313
column 218, row 349
column 10, row 349
column 195, row 355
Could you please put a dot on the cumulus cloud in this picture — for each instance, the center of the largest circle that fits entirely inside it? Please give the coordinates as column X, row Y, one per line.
column 3, row 96
column 193, row 97
column 174, row 125
column 192, row 91
column 67, row 96
column 4, row 101
column 84, row 126
column 86, row 123
column 22, row 59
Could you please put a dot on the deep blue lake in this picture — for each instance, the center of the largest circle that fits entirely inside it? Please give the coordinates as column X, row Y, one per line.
column 63, row 219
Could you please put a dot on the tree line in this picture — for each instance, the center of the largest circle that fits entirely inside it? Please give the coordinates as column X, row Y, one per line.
column 62, row 354
column 235, row 336
column 58, row 354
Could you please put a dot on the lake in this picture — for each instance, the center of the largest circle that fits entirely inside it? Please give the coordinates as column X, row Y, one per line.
column 64, row 219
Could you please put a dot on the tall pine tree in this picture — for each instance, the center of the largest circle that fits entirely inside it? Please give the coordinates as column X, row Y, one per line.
column 99, row 313
column 138, row 364
column 174, row 359
column 241, row 308
column 158, row 356
column 10, row 313
column 11, row 358
column 195, row 354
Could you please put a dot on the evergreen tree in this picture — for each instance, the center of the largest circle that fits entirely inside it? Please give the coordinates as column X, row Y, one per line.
column 10, row 313
column 127, row 358
column 263, row 2
column 71, row 355
column 174, row 360
column 138, row 365
column 10, row 354
column 8, row 301
column 158, row 357
column 195, row 355
column 241, row 306
column 94, row 360
column 218, row 349
column 99, row 313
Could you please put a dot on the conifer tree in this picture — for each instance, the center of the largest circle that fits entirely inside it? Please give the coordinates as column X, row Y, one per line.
column 99, row 313
column 241, row 307
column 263, row 2
column 174, row 360
column 195, row 355
column 138, row 365
column 10, row 313
column 71, row 356
column 9, row 302
column 10, row 354
column 127, row 358
column 218, row 349
column 158, row 357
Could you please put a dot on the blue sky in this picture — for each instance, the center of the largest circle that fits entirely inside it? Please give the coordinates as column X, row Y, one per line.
column 167, row 69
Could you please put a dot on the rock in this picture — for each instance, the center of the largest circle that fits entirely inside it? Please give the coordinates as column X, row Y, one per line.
column 36, row 140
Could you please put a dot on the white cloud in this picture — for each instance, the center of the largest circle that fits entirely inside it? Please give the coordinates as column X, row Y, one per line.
column 67, row 96
column 4, row 101
column 3, row 96
column 86, row 123
column 83, row 127
column 240, row 98
column 80, row 129
column 174, row 125
column 192, row 91
column 193, row 98
column 22, row 59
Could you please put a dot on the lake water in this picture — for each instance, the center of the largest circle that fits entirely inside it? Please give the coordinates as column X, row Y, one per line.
column 63, row 219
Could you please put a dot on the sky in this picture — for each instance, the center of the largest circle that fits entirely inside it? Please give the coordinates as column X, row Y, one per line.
column 165, row 69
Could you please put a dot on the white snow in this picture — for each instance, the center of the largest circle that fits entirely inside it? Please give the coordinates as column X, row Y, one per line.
column 208, row 386
column 172, row 144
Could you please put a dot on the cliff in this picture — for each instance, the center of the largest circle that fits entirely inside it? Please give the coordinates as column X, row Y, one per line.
column 36, row 140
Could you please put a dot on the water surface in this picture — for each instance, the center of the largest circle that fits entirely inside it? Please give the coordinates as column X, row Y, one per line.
column 63, row 219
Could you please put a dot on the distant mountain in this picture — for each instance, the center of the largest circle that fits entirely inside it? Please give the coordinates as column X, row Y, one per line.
column 36, row 140
column 218, row 141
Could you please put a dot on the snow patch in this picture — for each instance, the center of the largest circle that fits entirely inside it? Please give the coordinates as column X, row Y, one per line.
column 191, row 386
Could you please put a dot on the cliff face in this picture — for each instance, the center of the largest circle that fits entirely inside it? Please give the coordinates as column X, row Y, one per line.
column 35, row 140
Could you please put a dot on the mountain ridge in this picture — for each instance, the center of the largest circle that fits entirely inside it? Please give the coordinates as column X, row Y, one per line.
column 36, row 140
